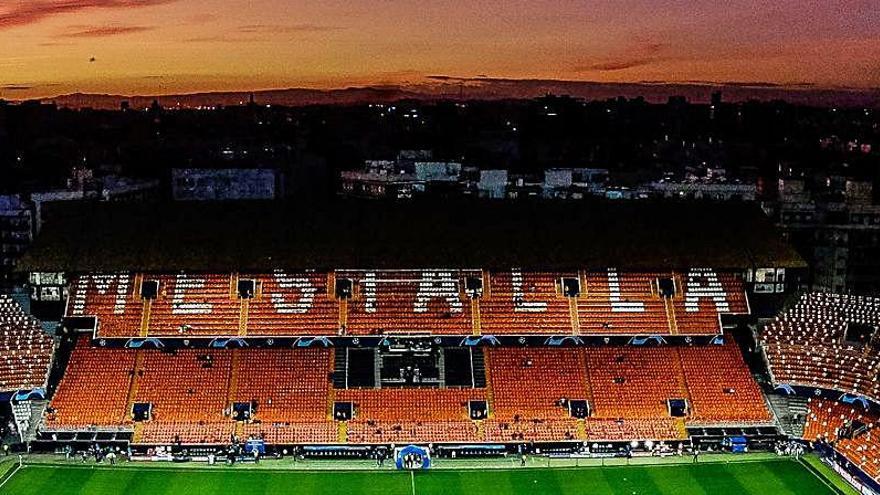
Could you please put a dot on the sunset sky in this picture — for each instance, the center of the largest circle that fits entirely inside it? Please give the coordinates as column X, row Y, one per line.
column 170, row 46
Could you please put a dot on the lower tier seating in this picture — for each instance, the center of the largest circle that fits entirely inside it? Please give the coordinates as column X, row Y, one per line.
column 530, row 393
column 833, row 422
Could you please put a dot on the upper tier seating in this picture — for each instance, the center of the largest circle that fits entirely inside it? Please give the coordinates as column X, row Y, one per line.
column 806, row 345
column 622, row 303
column 25, row 350
column 824, row 422
column 112, row 299
column 705, row 295
column 425, row 301
column 289, row 303
column 195, row 305
column 435, row 301
column 524, row 303
column 630, row 303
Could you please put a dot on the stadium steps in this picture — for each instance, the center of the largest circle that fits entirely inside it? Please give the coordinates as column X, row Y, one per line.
column 342, row 432
column 490, row 399
column 239, row 429
column 145, row 318
column 476, row 324
column 582, row 429
column 790, row 412
column 682, row 382
column 681, row 428
column 133, row 385
column 573, row 314
column 137, row 433
column 331, row 391
column 38, row 407
column 478, row 363
column 232, row 383
column 343, row 313
column 340, row 367
column 243, row 317
column 670, row 315
column 480, row 431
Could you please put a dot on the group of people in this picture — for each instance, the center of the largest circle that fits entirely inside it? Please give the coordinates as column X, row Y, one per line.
column 790, row 449
column 100, row 454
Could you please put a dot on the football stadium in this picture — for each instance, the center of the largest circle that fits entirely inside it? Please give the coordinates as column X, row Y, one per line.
column 463, row 347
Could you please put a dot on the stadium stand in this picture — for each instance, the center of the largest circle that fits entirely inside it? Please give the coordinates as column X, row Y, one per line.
column 95, row 389
column 25, row 350
column 408, row 301
column 854, row 432
column 808, row 344
column 393, row 302
column 111, row 297
column 292, row 303
column 624, row 303
column 725, row 391
column 523, row 303
column 529, row 394
column 634, row 383
column 195, row 304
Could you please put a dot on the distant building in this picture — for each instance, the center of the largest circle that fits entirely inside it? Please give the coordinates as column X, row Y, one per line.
column 492, row 184
column 574, row 183
column 22, row 216
column 403, row 178
column 837, row 229
column 716, row 191
column 16, row 233
column 198, row 184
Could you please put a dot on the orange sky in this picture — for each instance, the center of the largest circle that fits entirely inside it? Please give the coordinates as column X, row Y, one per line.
column 170, row 46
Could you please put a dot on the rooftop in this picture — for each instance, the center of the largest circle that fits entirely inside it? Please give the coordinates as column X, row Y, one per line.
column 537, row 235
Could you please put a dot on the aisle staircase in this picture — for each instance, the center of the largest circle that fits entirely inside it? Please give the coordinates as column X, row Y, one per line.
column 791, row 413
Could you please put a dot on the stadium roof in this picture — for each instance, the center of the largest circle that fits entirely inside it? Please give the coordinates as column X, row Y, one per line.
column 455, row 234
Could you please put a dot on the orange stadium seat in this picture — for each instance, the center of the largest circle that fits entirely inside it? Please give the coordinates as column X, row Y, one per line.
column 202, row 304
column 95, row 387
column 192, row 391
column 724, row 391
column 292, row 304
column 111, row 297
column 288, row 385
column 414, row 301
column 25, row 350
column 630, row 382
column 622, row 303
column 522, row 303
column 806, row 345
column 826, row 418
column 188, row 385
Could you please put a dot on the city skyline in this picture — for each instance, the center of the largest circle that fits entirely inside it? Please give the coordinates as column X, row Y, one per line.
column 132, row 47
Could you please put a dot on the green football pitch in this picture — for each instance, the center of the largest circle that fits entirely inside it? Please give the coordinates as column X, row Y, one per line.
column 765, row 477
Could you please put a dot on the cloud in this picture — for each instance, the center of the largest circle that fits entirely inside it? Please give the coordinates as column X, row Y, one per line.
column 286, row 28
column 264, row 32
column 643, row 52
column 104, row 31
column 615, row 65
column 26, row 12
